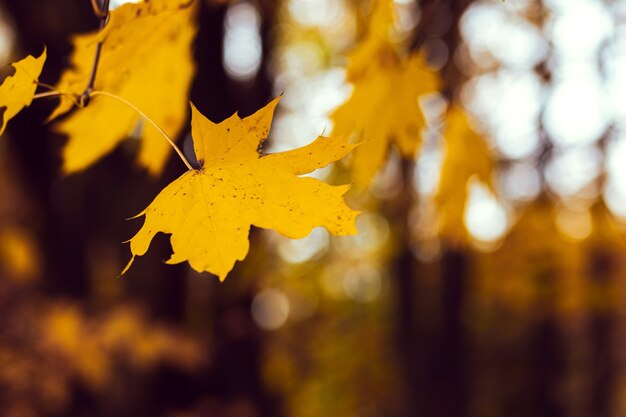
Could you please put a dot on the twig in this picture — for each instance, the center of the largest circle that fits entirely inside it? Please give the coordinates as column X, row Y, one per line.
column 47, row 94
column 102, row 13
column 419, row 32
column 149, row 120
column 55, row 93
column 44, row 85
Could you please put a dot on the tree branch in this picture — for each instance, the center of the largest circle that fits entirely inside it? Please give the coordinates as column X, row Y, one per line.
column 102, row 13
column 428, row 9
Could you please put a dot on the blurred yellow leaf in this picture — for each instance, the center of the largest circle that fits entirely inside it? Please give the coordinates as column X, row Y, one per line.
column 466, row 155
column 65, row 331
column 146, row 59
column 209, row 211
column 383, row 107
column 17, row 90
column 89, row 347
column 126, row 330
column 18, row 254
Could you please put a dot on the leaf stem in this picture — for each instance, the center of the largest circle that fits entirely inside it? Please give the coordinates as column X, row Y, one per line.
column 101, row 12
column 47, row 94
column 44, row 85
column 55, row 93
column 149, row 120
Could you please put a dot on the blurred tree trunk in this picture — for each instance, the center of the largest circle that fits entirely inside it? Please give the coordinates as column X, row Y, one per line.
column 602, row 360
column 404, row 284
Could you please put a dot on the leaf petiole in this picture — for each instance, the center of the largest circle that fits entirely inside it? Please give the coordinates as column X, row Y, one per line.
column 47, row 86
column 55, row 93
column 47, row 94
column 149, row 120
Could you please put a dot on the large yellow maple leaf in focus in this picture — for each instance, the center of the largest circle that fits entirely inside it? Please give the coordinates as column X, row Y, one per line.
column 209, row 210
column 147, row 60
column 17, row 90
column 383, row 108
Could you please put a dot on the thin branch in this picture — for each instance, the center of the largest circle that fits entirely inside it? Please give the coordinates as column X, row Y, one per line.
column 149, row 120
column 428, row 10
column 102, row 13
column 55, row 93
column 47, row 94
column 44, row 85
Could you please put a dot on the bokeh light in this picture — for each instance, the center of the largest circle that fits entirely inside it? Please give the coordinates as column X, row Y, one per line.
column 575, row 113
column 7, row 38
column 301, row 250
column 242, row 51
column 270, row 309
column 575, row 225
column 570, row 171
column 362, row 283
column 485, row 217
column 114, row 4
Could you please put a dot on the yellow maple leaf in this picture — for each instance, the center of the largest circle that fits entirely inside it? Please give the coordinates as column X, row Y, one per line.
column 209, row 210
column 147, row 60
column 383, row 107
column 466, row 156
column 17, row 90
